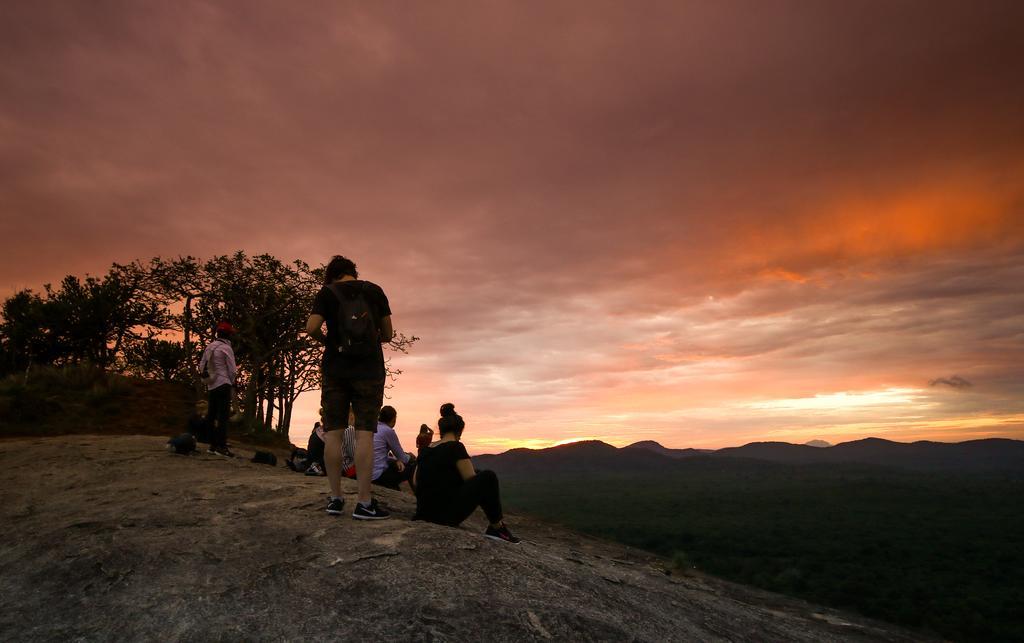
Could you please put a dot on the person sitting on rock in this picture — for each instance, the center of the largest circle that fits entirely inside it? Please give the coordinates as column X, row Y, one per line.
column 315, row 452
column 348, row 449
column 197, row 424
column 391, row 464
column 425, row 437
column 449, row 489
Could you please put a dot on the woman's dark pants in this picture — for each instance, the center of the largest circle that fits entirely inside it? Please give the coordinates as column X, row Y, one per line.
column 479, row 491
column 217, row 415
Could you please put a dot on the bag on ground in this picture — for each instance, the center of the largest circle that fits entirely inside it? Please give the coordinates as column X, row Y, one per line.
column 183, row 444
column 265, row 457
column 298, row 460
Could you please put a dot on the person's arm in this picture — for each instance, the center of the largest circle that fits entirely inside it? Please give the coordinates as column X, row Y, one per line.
column 387, row 329
column 229, row 364
column 391, row 438
column 315, row 328
column 382, row 312
column 204, row 361
column 465, row 467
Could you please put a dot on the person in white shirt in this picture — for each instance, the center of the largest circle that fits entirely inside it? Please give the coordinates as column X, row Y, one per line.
column 390, row 471
column 218, row 369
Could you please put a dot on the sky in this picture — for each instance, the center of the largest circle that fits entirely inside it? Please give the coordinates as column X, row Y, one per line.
column 702, row 223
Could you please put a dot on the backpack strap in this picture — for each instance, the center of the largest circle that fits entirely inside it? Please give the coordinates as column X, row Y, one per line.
column 335, row 290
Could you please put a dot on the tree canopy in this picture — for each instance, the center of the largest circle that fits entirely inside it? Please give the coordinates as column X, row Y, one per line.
column 152, row 319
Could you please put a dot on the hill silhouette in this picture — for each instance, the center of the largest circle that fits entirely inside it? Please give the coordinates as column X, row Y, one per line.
column 581, row 456
column 113, row 537
column 656, row 447
column 992, row 454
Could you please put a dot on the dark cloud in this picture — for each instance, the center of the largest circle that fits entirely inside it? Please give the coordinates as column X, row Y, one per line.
column 551, row 192
column 953, row 382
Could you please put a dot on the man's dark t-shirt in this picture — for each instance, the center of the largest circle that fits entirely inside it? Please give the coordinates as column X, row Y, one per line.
column 340, row 366
column 438, row 479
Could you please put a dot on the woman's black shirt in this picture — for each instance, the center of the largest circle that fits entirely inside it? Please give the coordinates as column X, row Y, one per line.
column 438, row 478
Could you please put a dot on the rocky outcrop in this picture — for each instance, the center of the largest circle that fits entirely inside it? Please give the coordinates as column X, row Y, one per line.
column 114, row 538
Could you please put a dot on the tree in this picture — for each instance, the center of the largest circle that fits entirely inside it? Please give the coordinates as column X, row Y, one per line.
column 22, row 334
column 83, row 321
column 132, row 319
column 159, row 359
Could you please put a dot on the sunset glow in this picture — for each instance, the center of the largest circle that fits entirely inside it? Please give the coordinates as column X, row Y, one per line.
column 697, row 224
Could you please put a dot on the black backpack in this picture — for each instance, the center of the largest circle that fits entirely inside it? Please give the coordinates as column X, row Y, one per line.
column 183, row 444
column 264, row 457
column 356, row 328
column 299, row 460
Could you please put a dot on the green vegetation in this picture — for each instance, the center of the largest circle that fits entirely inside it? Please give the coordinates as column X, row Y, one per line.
column 937, row 552
column 87, row 399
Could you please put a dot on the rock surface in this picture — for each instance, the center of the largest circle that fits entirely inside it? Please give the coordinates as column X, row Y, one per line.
column 112, row 537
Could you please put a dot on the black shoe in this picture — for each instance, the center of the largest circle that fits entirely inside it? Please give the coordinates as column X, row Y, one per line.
column 501, row 533
column 224, row 451
column 373, row 512
column 335, row 506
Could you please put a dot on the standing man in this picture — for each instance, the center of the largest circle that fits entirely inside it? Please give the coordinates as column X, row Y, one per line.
column 358, row 319
column 218, row 369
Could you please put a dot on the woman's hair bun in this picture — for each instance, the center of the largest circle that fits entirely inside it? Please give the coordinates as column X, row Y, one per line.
column 447, row 409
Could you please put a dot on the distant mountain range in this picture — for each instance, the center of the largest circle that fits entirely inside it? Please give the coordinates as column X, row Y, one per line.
column 994, row 454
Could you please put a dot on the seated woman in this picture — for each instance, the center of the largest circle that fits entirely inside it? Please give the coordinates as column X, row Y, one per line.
column 448, row 489
column 425, row 437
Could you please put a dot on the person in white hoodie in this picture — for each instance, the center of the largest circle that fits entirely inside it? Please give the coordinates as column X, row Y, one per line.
column 218, row 369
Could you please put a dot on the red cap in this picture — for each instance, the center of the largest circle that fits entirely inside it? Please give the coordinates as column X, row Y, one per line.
column 225, row 327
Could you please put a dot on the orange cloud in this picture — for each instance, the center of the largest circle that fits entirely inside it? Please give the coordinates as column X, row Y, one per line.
column 945, row 215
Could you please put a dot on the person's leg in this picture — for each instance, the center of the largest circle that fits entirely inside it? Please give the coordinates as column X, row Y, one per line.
column 223, row 415
column 479, row 491
column 334, row 402
column 332, row 461
column 490, row 496
column 390, row 477
column 367, row 397
column 217, row 415
column 364, row 465
column 410, row 469
column 211, row 427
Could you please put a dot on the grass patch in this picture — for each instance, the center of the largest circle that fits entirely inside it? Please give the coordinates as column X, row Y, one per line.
column 85, row 399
